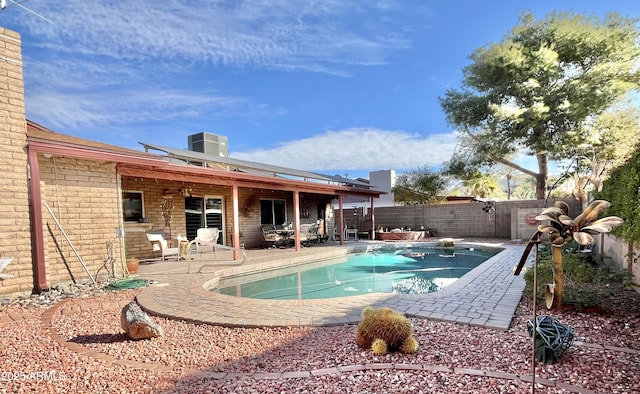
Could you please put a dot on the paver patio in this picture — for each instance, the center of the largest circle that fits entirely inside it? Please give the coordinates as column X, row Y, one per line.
column 487, row 296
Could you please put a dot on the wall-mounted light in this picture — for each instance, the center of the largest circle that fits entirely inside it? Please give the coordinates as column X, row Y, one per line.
column 47, row 155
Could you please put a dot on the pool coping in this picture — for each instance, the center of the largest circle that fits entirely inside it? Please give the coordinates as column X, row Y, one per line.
column 487, row 296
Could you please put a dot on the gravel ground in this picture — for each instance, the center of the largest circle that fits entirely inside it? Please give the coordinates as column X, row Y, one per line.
column 450, row 359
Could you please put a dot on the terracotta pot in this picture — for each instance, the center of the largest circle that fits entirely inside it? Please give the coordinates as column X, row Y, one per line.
column 132, row 265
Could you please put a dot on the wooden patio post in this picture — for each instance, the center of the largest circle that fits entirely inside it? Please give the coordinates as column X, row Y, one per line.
column 37, row 232
column 296, row 218
column 373, row 220
column 235, row 223
column 340, row 220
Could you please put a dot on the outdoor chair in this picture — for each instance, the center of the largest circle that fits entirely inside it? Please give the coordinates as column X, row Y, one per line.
column 160, row 244
column 4, row 261
column 336, row 233
column 206, row 238
column 272, row 236
column 309, row 233
column 350, row 231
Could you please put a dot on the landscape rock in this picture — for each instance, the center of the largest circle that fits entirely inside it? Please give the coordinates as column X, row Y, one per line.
column 137, row 324
column 57, row 293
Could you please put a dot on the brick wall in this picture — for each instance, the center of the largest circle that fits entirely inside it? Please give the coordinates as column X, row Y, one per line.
column 250, row 222
column 136, row 242
column 521, row 226
column 250, row 226
column 137, row 245
column 15, row 235
column 83, row 196
column 249, row 215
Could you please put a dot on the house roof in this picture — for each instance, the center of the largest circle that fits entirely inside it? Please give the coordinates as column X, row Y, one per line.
column 39, row 133
column 175, row 166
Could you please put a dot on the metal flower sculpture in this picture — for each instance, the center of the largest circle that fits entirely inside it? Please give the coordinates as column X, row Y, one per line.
column 562, row 229
column 580, row 182
column 166, row 210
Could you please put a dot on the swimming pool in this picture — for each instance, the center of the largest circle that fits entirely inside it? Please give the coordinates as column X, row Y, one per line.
column 410, row 271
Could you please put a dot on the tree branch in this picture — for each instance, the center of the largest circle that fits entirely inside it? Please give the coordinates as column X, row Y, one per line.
column 500, row 160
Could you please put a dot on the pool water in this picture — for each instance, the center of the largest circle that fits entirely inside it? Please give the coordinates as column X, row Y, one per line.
column 414, row 271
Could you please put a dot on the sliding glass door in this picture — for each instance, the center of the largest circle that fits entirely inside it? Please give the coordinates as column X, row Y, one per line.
column 204, row 212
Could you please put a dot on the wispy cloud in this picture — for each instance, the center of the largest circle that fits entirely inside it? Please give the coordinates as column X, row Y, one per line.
column 251, row 33
column 103, row 63
column 358, row 149
column 129, row 106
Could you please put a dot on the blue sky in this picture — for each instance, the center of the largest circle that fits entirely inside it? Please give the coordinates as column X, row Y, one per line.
column 335, row 86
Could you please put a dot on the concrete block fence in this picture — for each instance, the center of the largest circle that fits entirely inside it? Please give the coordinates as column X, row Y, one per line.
column 459, row 219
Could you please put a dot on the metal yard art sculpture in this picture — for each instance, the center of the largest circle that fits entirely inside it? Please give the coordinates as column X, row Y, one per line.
column 166, row 211
column 550, row 338
column 562, row 229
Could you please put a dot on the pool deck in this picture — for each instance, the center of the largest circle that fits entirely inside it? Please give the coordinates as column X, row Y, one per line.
column 487, row 296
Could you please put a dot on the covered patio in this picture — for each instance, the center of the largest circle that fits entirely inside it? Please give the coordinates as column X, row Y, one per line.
column 88, row 194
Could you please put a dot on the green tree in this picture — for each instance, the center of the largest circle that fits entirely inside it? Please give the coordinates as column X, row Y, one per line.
column 621, row 125
column 597, row 156
column 421, row 186
column 622, row 189
column 541, row 90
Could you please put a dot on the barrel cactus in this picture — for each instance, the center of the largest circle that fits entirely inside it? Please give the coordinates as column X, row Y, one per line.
column 384, row 330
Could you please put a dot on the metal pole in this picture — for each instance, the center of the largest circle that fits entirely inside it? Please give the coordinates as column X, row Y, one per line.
column 69, row 241
column 535, row 322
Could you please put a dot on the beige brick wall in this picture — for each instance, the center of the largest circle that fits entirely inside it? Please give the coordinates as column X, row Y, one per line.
column 250, row 221
column 248, row 205
column 83, row 196
column 136, row 242
column 520, row 227
column 15, row 236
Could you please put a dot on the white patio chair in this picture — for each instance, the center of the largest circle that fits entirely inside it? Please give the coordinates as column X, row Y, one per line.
column 160, row 244
column 206, row 238
column 350, row 231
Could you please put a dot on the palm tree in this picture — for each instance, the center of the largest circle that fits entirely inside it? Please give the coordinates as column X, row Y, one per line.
column 483, row 185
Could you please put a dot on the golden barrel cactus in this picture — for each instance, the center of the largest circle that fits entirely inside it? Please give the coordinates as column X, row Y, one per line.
column 384, row 330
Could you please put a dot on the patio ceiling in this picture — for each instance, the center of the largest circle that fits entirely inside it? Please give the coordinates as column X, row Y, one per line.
column 195, row 174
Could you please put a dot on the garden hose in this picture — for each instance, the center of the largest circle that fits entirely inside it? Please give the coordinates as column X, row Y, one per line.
column 123, row 284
